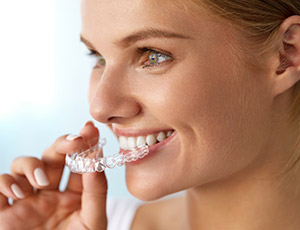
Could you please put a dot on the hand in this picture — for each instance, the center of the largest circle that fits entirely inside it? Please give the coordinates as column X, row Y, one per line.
column 37, row 202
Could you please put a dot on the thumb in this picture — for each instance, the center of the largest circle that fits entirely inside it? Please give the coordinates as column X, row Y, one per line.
column 93, row 198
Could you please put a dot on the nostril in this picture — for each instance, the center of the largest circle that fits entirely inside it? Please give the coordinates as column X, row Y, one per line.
column 117, row 119
column 111, row 119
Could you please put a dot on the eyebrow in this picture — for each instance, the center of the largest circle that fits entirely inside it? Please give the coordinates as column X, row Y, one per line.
column 146, row 34
column 86, row 42
column 141, row 35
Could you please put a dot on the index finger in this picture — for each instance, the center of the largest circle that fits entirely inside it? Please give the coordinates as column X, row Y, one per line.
column 54, row 156
column 89, row 136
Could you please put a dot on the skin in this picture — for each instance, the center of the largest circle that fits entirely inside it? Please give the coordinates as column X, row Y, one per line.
column 204, row 107
column 231, row 123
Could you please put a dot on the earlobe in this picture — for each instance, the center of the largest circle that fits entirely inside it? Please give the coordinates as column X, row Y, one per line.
column 286, row 80
column 287, row 73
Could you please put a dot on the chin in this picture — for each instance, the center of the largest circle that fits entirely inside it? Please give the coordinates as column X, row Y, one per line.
column 147, row 190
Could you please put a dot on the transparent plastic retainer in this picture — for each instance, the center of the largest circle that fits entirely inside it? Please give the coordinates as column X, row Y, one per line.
column 91, row 160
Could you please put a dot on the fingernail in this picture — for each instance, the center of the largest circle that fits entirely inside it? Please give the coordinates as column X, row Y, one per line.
column 73, row 137
column 17, row 191
column 40, row 177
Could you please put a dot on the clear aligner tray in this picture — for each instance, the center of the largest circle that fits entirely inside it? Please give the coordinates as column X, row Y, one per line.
column 91, row 160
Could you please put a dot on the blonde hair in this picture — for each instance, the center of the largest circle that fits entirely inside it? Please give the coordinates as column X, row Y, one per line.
column 259, row 20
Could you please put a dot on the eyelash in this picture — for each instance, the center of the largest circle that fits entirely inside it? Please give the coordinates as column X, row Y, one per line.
column 144, row 52
column 97, row 56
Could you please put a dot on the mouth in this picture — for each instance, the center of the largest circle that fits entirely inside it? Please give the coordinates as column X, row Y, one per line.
column 151, row 140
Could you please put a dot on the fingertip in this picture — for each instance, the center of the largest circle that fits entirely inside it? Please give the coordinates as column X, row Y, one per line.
column 69, row 143
column 89, row 123
column 90, row 133
column 87, row 129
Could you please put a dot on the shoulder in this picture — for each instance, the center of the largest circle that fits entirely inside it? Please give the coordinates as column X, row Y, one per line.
column 160, row 214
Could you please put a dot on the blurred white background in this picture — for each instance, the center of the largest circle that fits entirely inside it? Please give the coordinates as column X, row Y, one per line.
column 44, row 75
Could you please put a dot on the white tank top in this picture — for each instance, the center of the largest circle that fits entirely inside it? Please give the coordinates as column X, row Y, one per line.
column 120, row 213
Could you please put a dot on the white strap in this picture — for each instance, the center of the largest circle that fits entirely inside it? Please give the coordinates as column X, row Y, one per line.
column 120, row 213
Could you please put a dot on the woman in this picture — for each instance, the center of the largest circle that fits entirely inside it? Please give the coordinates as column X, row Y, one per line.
column 222, row 78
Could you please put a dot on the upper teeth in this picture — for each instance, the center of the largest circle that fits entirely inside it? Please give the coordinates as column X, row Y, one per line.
column 140, row 141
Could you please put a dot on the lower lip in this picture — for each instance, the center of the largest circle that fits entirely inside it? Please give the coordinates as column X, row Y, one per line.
column 153, row 149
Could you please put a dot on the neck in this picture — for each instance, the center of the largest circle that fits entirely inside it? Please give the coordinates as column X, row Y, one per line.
column 257, row 198
column 245, row 203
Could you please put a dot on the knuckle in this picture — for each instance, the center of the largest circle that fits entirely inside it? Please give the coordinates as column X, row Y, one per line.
column 60, row 139
column 55, row 147
column 23, row 163
column 6, row 178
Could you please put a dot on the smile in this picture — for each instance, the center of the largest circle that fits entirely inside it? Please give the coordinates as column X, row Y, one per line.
column 127, row 143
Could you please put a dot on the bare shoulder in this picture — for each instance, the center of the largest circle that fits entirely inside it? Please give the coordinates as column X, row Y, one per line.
column 160, row 215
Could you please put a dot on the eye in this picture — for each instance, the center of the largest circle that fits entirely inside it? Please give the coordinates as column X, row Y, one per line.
column 100, row 60
column 153, row 58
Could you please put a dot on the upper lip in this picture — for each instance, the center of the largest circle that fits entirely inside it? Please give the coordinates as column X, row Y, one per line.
column 131, row 132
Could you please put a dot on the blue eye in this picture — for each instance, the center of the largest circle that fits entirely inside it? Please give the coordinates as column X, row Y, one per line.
column 150, row 58
column 154, row 58
column 100, row 60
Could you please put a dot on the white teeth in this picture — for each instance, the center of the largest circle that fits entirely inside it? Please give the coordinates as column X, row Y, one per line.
column 123, row 142
column 161, row 136
column 128, row 143
column 140, row 142
column 150, row 140
column 169, row 133
column 131, row 143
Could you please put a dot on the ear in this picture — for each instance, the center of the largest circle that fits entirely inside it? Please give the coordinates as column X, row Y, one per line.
column 287, row 73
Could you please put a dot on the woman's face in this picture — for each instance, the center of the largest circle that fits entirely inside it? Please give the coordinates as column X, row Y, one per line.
column 162, row 68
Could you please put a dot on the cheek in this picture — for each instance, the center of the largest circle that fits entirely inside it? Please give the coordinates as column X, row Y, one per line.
column 218, row 113
column 224, row 123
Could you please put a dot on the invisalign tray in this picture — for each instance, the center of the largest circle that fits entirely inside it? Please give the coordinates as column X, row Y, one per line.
column 91, row 160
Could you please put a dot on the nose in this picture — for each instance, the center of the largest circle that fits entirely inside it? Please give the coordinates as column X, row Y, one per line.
column 112, row 101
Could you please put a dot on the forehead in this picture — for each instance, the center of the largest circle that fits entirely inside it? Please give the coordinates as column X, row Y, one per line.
column 107, row 19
